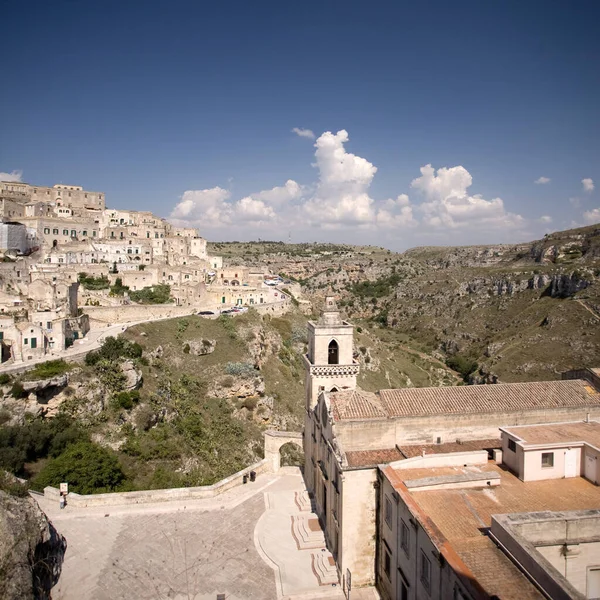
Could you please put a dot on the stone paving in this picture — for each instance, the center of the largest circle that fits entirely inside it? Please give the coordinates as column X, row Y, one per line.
column 192, row 549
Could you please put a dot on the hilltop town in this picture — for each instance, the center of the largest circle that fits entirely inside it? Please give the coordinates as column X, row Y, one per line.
column 70, row 264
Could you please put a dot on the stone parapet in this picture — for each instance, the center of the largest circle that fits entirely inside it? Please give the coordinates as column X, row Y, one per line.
column 151, row 496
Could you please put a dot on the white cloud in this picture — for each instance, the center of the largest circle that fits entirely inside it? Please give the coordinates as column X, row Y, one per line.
column 279, row 196
column 447, row 203
column 206, row 208
column 588, row 184
column 12, row 176
column 342, row 195
column 592, row 216
column 396, row 213
column 546, row 219
column 542, row 180
column 250, row 209
column 305, row 133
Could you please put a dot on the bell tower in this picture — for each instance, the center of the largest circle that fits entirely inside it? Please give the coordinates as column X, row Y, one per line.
column 329, row 363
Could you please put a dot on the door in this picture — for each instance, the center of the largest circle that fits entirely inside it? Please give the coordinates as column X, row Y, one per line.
column 593, row 583
column 590, row 468
column 325, row 504
column 571, row 462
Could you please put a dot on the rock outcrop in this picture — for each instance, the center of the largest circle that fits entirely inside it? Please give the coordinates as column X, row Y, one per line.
column 31, row 550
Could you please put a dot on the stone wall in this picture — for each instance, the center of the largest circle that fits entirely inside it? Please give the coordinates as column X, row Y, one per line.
column 128, row 313
column 151, row 496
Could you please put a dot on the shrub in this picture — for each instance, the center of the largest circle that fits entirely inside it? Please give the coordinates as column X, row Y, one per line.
column 4, row 378
column 144, row 419
column 240, row 369
column 250, row 403
column 126, row 400
column 87, row 467
column 465, row 366
column 12, row 486
column 112, row 349
column 186, row 349
column 17, row 390
column 48, row 369
column 158, row 294
column 93, row 283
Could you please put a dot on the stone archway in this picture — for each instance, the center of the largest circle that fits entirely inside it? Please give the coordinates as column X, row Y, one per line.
column 273, row 442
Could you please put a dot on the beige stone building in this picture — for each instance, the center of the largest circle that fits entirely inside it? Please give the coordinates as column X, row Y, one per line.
column 458, row 525
column 348, row 432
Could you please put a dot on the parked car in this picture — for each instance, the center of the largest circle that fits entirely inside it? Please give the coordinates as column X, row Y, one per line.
column 206, row 312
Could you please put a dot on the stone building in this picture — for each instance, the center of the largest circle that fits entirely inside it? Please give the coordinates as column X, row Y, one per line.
column 348, row 432
column 458, row 525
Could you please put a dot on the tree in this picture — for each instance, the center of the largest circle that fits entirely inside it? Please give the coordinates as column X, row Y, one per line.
column 87, row 467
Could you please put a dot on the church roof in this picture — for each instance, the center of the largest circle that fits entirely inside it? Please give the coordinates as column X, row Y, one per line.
column 469, row 399
column 355, row 404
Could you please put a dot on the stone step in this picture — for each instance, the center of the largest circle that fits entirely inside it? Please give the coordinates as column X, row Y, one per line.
column 324, row 568
column 307, row 532
column 303, row 501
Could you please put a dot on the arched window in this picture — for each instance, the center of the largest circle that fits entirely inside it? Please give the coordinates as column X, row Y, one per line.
column 333, row 354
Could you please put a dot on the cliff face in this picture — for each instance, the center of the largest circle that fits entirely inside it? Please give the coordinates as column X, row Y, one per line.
column 31, row 550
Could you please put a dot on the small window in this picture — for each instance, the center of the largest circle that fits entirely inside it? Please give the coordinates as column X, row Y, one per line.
column 405, row 538
column 387, row 563
column 547, row 460
column 49, row 325
column 94, row 233
column 46, row 229
column 388, row 512
column 26, row 341
column 33, row 343
column 512, row 445
column 425, row 572
column 73, row 233
column 84, row 233
column 65, row 232
column 55, row 231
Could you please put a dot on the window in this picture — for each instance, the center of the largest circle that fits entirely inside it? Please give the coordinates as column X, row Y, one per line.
column 84, row 233
column 73, row 233
column 387, row 563
column 94, row 233
column 333, row 353
column 512, row 446
column 33, row 343
column 55, row 231
column 49, row 325
column 388, row 512
column 26, row 341
column 547, row 460
column 1, row 335
column 65, row 232
column 405, row 538
column 46, row 229
column 425, row 572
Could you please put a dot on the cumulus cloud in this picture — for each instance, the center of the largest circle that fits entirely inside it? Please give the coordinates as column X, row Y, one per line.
column 342, row 195
column 206, row 208
column 546, row 219
column 542, row 180
column 340, row 200
column 12, row 176
column 592, row 216
column 305, row 133
column 448, row 204
column 588, row 184
column 396, row 213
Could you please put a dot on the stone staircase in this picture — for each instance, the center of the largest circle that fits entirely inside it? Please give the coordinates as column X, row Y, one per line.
column 307, row 531
column 304, row 502
column 323, row 567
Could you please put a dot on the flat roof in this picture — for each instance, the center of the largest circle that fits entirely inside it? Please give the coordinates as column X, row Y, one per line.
column 464, row 526
column 413, row 450
column 556, row 433
column 467, row 399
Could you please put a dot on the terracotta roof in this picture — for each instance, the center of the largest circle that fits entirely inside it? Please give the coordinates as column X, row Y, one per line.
column 355, row 404
column 461, row 528
column 466, row 446
column 557, row 433
column 411, row 402
column 370, row 458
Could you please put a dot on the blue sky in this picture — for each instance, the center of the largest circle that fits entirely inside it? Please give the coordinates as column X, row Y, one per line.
column 187, row 109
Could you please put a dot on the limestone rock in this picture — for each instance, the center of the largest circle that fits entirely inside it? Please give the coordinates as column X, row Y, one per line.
column 237, row 387
column 133, row 376
column 568, row 284
column 31, row 550
column 60, row 381
column 200, row 347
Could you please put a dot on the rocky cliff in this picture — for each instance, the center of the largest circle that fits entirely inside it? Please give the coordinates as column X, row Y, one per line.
column 31, row 550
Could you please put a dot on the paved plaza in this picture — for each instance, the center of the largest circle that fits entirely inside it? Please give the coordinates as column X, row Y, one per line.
column 241, row 544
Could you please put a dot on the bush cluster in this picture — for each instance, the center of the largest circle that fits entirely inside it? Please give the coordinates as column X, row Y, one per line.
column 240, row 369
column 158, row 294
column 113, row 349
column 89, row 282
